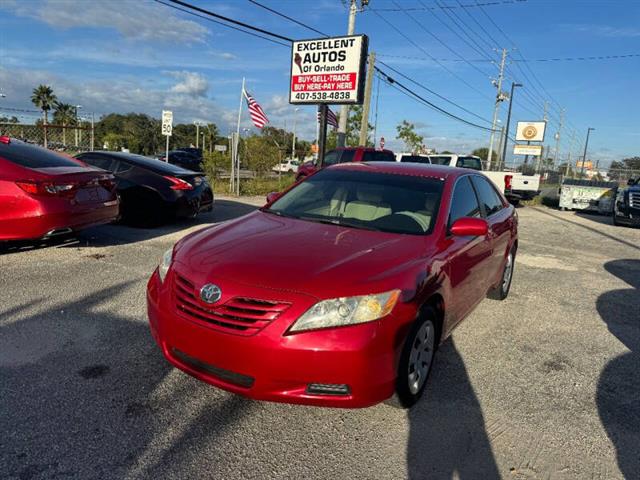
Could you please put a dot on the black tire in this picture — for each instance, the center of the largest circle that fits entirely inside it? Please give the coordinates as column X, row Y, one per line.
column 411, row 383
column 502, row 290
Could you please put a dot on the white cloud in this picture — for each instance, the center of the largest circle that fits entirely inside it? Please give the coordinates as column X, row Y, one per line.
column 134, row 19
column 190, row 83
column 604, row 30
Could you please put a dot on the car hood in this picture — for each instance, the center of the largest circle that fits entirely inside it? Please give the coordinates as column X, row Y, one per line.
column 266, row 250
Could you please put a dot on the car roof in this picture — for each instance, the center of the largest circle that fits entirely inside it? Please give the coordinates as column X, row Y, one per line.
column 399, row 168
column 153, row 164
column 366, row 149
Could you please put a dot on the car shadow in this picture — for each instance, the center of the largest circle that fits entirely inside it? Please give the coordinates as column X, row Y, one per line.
column 618, row 391
column 86, row 393
column 119, row 234
column 448, row 436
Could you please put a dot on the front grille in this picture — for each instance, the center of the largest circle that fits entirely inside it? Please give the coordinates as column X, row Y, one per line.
column 225, row 375
column 239, row 315
column 634, row 199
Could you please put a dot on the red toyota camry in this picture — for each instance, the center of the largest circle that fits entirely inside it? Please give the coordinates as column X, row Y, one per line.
column 339, row 291
column 43, row 193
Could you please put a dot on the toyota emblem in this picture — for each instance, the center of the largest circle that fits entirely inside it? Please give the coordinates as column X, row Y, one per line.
column 210, row 293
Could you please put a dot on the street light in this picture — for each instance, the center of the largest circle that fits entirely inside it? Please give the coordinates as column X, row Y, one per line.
column 506, row 134
column 584, row 156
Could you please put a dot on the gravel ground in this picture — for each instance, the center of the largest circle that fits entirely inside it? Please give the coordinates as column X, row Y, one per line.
column 543, row 385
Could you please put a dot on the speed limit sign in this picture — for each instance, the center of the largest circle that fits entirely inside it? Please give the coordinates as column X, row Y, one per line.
column 167, row 122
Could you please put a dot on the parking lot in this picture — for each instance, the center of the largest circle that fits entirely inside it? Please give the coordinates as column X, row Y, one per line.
column 543, row 385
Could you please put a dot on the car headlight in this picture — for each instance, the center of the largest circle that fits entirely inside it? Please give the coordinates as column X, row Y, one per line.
column 163, row 268
column 347, row 311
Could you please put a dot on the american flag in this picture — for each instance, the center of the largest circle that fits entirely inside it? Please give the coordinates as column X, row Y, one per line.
column 331, row 118
column 258, row 116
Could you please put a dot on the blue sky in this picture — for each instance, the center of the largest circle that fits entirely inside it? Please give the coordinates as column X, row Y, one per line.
column 128, row 55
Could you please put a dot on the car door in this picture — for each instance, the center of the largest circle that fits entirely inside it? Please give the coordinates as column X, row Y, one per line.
column 467, row 256
column 500, row 221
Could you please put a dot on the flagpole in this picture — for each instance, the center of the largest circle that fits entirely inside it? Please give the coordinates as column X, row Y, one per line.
column 235, row 163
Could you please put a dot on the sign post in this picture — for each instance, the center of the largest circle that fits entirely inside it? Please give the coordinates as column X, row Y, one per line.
column 167, row 129
column 328, row 71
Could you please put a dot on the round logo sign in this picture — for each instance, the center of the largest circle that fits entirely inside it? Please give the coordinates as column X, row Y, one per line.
column 210, row 293
column 529, row 132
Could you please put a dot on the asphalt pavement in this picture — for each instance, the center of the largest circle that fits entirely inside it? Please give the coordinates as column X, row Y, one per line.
column 542, row 385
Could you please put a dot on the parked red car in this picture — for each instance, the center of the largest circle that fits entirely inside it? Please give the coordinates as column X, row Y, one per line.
column 346, row 155
column 44, row 194
column 337, row 292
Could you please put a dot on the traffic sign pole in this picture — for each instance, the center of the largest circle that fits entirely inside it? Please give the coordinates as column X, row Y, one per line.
column 323, row 133
column 166, row 157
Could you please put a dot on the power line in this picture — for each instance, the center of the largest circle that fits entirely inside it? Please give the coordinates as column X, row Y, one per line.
column 433, row 93
column 221, row 23
column 402, row 34
column 280, row 14
column 451, row 7
column 515, row 60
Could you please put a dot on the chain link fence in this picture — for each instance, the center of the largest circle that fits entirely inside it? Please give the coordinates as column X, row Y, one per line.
column 62, row 138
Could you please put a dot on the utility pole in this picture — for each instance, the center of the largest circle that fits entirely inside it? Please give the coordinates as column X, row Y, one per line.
column 586, row 145
column 496, row 110
column 558, row 133
column 364, row 124
column 506, row 132
column 571, row 142
column 344, row 109
column 293, row 146
column 499, row 152
column 197, row 134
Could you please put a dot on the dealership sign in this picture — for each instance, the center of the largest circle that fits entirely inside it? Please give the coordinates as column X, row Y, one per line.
column 328, row 70
column 535, row 150
column 531, row 131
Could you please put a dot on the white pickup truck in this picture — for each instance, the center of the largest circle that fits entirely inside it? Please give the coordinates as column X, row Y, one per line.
column 515, row 185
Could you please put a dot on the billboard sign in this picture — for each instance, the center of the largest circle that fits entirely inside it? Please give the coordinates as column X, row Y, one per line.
column 328, row 70
column 535, row 150
column 531, row 131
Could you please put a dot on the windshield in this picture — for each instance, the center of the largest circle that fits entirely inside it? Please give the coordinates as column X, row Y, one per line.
column 440, row 160
column 469, row 162
column 365, row 200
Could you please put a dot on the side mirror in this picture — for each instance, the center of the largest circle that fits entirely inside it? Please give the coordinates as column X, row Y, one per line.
column 273, row 196
column 469, row 227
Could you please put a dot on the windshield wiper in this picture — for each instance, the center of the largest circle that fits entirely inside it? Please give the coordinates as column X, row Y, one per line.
column 339, row 222
column 278, row 213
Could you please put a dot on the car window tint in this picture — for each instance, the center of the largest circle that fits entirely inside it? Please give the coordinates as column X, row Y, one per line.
column 368, row 156
column 347, row 156
column 122, row 167
column 99, row 161
column 331, row 158
column 384, row 157
column 488, row 195
column 469, row 162
column 440, row 160
column 414, row 159
column 464, row 202
column 32, row 156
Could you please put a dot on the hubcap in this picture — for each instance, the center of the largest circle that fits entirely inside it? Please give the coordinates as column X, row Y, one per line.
column 508, row 271
column 421, row 356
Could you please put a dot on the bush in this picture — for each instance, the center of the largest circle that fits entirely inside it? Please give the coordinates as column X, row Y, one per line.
column 215, row 163
column 255, row 186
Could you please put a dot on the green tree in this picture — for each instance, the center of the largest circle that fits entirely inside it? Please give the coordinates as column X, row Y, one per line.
column 114, row 141
column 353, row 130
column 64, row 115
column 44, row 98
column 483, row 153
column 407, row 133
column 260, row 154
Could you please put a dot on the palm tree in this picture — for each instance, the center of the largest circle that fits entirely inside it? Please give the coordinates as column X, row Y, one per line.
column 44, row 98
column 65, row 114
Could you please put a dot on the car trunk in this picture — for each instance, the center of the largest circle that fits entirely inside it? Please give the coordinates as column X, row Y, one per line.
column 81, row 184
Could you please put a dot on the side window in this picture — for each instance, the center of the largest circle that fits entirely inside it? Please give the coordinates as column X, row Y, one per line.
column 99, row 161
column 488, row 196
column 368, row 156
column 122, row 167
column 469, row 162
column 347, row 156
column 384, row 157
column 464, row 202
column 331, row 158
column 440, row 160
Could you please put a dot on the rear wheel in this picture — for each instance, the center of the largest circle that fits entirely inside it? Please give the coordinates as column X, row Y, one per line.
column 417, row 359
column 502, row 291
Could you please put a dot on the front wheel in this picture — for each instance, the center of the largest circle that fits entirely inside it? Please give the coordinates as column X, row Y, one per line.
column 502, row 291
column 417, row 359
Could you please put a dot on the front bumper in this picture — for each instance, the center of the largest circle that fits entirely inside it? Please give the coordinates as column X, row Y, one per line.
column 272, row 365
column 627, row 215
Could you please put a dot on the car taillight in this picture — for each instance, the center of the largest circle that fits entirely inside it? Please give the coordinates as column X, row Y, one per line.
column 507, row 182
column 179, row 184
column 107, row 183
column 48, row 188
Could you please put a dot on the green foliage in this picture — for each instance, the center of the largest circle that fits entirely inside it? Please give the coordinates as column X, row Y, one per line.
column 214, row 163
column 260, row 154
column 257, row 186
column 483, row 153
column 353, row 130
column 114, row 141
column 43, row 98
column 407, row 133
column 12, row 119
